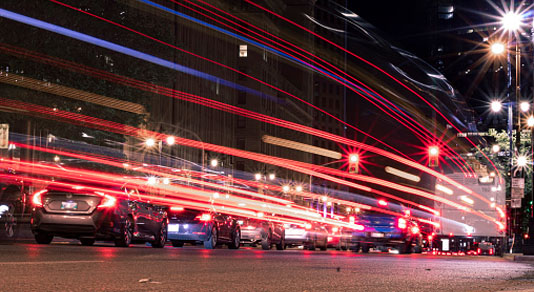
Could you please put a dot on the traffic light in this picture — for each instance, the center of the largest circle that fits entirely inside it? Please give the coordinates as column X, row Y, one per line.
column 433, row 156
column 354, row 161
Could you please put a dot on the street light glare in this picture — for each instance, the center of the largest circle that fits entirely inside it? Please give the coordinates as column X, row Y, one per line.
column 257, row 176
column 433, row 150
column 214, row 163
column 525, row 106
column 496, row 106
column 495, row 148
column 285, row 188
column 272, row 176
column 530, row 121
column 170, row 140
column 298, row 188
column 521, row 161
column 150, row 142
column 353, row 158
column 511, row 21
column 497, row 48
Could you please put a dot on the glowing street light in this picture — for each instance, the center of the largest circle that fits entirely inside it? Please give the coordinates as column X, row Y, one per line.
column 495, row 148
column 214, row 162
column 433, row 156
column 285, row 188
column 150, row 142
column 298, row 189
column 56, row 158
column 530, row 121
column 496, row 106
column 521, row 161
column 524, row 106
column 497, row 48
column 511, row 21
column 272, row 176
column 170, row 140
column 257, row 176
column 354, row 160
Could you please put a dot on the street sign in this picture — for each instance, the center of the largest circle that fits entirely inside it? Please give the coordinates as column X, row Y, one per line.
column 518, row 193
column 518, row 182
column 515, row 203
column 4, row 136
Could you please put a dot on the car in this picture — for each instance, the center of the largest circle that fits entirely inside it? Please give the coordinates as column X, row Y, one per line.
column 207, row 227
column 13, row 208
column 309, row 235
column 91, row 212
column 384, row 232
column 338, row 237
column 266, row 233
column 485, row 248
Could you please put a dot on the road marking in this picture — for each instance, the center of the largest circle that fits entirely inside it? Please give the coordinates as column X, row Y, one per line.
column 47, row 263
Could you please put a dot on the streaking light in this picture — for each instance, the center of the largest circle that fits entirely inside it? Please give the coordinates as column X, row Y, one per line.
column 444, row 189
column 402, row 174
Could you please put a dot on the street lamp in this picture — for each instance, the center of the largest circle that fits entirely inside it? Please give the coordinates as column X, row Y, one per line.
column 524, row 106
column 150, row 142
column 170, row 140
column 496, row 106
column 497, row 48
column 214, row 162
column 495, row 148
column 511, row 21
column 257, row 176
column 272, row 176
column 433, row 156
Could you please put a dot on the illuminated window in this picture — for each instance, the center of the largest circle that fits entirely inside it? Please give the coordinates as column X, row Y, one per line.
column 243, row 51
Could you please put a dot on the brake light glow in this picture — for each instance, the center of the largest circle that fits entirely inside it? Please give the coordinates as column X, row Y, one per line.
column 107, row 202
column 491, row 251
column 204, row 217
column 37, row 200
column 478, row 250
column 177, row 209
column 402, row 223
column 382, row 203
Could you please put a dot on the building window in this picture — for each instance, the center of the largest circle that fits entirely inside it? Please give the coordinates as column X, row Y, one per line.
column 243, row 51
column 240, row 165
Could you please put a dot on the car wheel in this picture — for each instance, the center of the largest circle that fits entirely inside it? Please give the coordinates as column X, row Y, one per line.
column 124, row 239
column 211, row 243
column 282, row 244
column 161, row 237
column 176, row 243
column 405, row 248
column 10, row 222
column 266, row 241
column 236, row 240
column 344, row 245
column 311, row 245
column 87, row 241
column 43, row 238
column 365, row 248
column 325, row 245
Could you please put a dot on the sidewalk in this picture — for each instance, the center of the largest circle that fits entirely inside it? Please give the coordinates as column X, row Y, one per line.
column 518, row 257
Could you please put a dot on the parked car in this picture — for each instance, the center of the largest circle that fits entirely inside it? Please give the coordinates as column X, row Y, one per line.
column 13, row 211
column 386, row 231
column 338, row 237
column 262, row 232
column 485, row 248
column 74, row 210
column 309, row 235
column 209, row 228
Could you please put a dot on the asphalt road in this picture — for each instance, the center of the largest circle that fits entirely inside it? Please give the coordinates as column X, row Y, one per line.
column 67, row 266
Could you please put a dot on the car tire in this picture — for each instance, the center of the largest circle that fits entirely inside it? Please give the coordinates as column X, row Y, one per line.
column 211, row 243
column 161, row 237
column 176, row 243
column 236, row 239
column 405, row 248
column 282, row 244
column 42, row 237
column 266, row 242
column 87, row 241
column 365, row 248
column 312, row 244
column 124, row 239
column 344, row 245
column 325, row 245
column 9, row 224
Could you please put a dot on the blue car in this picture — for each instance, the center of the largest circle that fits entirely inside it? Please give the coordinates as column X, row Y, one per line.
column 384, row 231
column 208, row 228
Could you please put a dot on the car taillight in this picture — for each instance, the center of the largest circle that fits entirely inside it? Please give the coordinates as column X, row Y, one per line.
column 37, row 200
column 491, row 251
column 478, row 250
column 402, row 223
column 107, row 202
column 307, row 226
column 177, row 209
column 204, row 217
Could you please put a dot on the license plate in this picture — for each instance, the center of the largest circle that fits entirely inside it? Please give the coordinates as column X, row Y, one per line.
column 69, row 205
column 377, row 234
column 173, row 227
